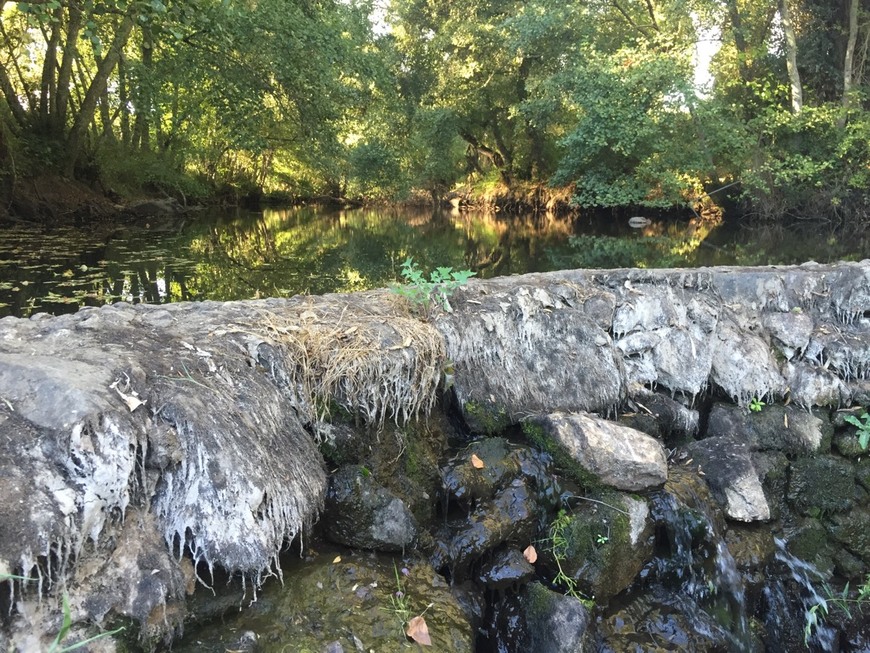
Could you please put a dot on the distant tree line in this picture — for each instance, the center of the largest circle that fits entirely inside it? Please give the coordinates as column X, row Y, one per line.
column 367, row 99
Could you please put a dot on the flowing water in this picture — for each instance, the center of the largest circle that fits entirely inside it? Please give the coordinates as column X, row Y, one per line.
column 222, row 255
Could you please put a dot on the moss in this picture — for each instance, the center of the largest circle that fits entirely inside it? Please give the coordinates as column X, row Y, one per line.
column 538, row 437
column 486, row 418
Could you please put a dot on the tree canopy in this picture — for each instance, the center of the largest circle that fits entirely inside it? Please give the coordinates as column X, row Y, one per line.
column 358, row 98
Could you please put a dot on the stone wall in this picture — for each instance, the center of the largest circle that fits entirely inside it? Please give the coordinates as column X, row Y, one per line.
column 138, row 439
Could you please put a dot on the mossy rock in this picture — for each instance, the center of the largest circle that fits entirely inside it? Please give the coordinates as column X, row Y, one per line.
column 607, row 544
column 347, row 598
column 810, row 542
column 852, row 530
column 485, row 417
column 821, row 485
column 537, row 436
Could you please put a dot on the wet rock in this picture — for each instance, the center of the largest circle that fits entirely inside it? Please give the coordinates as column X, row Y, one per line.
column 611, row 454
column 606, row 543
column 672, row 621
column 511, row 517
column 508, row 569
column 727, row 467
column 808, row 540
column 862, row 473
column 779, row 428
column 506, row 630
column 363, row 514
column 751, row 545
column 464, row 481
column 821, row 485
column 556, row 623
column 349, row 602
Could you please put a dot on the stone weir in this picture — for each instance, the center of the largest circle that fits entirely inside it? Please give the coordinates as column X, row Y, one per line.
column 142, row 448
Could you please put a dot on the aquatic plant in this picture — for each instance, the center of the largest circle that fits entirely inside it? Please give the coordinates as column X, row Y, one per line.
column 863, row 425
column 440, row 285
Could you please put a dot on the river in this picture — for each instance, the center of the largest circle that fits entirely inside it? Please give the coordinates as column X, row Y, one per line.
column 224, row 255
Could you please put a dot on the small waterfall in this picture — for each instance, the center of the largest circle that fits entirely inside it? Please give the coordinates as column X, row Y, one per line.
column 781, row 602
column 693, row 558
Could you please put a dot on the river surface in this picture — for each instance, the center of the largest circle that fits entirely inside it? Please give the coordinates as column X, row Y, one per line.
column 221, row 255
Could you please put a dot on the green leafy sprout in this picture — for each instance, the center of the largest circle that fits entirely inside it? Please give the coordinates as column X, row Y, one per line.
column 559, row 548
column 842, row 602
column 863, row 425
column 756, row 405
column 440, row 285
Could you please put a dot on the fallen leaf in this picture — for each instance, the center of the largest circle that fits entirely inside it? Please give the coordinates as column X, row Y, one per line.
column 337, row 560
column 476, row 462
column 530, row 554
column 419, row 631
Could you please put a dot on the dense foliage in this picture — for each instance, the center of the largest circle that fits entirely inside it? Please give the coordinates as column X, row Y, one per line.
column 356, row 98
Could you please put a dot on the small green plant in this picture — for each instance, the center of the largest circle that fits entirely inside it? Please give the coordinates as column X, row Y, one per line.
column 602, row 539
column 863, row 425
column 842, row 602
column 756, row 405
column 421, row 292
column 399, row 602
column 559, row 549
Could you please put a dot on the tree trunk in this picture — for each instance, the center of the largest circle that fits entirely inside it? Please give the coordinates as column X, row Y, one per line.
column 70, row 52
column 11, row 97
column 849, row 63
column 48, row 88
column 124, row 100
column 797, row 94
column 739, row 40
column 89, row 103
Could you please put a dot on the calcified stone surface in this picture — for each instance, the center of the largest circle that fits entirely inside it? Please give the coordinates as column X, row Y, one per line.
column 131, row 436
column 577, row 340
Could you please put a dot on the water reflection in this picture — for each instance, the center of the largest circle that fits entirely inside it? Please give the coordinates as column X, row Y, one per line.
column 240, row 255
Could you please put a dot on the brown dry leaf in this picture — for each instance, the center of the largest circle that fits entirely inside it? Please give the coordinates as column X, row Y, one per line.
column 530, row 554
column 337, row 560
column 419, row 631
column 476, row 462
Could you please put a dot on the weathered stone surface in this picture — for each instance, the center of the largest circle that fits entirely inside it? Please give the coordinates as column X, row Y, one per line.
column 363, row 514
column 821, row 485
column 728, row 470
column 791, row 331
column 617, row 456
column 556, row 623
column 779, row 428
column 674, row 422
column 526, row 350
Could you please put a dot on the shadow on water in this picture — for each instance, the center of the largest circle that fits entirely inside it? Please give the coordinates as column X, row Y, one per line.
column 241, row 255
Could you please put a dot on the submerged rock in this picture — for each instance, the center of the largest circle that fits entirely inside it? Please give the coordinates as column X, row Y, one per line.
column 352, row 601
column 361, row 513
column 611, row 454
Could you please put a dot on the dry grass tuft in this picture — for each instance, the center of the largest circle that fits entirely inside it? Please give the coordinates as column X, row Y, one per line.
column 373, row 365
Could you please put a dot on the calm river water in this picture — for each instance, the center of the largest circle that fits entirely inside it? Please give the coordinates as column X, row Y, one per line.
column 238, row 255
